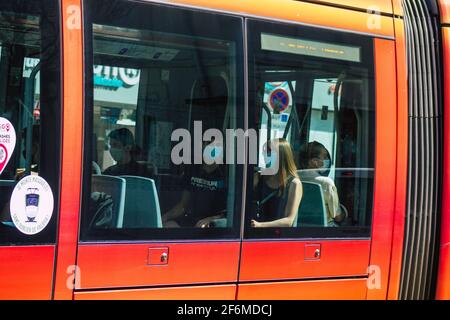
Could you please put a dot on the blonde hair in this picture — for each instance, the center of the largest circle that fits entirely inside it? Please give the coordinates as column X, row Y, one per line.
column 286, row 164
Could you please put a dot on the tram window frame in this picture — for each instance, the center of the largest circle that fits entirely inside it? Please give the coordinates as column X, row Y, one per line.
column 133, row 19
column 255, row 28
column 50, row 116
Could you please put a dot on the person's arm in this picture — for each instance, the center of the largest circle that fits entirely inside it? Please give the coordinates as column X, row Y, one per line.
column 206, row 221
column 337, row 214
column 177, row 211
column 293, row 202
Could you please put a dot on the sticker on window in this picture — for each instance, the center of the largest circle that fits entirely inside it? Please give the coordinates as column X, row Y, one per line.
column 279, row 100
column 31, row 205
column 7, row 142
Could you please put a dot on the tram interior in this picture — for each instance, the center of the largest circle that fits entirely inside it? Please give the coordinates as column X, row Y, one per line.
column 153, row 83
column 182, row 80
column 20, row 103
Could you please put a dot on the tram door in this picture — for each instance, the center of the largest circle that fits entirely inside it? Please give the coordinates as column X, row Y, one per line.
column 314, row 93
column 29, row 140
column 158, row 221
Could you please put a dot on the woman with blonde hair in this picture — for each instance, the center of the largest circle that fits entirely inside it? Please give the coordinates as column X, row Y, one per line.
column 282, row 191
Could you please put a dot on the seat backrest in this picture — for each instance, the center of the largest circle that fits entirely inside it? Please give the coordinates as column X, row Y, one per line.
column 115, row 187
column 312, row 211
column 142, row 208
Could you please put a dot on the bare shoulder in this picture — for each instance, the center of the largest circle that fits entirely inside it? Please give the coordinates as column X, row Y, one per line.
column 296, row 184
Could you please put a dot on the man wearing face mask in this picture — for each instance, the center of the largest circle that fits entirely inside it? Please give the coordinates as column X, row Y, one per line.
column 204, row 198
column 315, row 164
column 123, row 150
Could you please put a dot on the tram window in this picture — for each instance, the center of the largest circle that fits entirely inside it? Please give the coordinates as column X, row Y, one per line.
column 30, row 102
column 314, row 95
column 153, row 79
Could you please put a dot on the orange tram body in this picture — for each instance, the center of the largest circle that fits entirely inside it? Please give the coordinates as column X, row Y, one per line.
column 368, row 82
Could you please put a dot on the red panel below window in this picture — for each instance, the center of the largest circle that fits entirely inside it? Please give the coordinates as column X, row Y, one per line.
column 120, row 265
column 185, row 293
column 352, row 289
column 287, row 259
column 26, row 272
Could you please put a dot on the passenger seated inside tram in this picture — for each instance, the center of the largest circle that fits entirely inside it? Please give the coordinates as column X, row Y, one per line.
column 315, row 163
column 124, row 151
column 280, row 193
column 204, row 198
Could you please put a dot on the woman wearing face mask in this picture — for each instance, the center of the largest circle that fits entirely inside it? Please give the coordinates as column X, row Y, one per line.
column 281, row 189
column 315, row 164
column 123, row 151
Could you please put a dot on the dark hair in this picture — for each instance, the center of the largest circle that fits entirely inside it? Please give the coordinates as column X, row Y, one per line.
column 310, row 151
column 126, row 138
column 123, row 135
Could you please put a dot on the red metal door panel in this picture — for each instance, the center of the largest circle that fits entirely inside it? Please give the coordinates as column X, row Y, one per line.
column 290, row 260
column 26, row 272
column 352, row 289
column 185, row 293
column 385, row 166
column 72, row 146
column 122, row 265
column 402, row 162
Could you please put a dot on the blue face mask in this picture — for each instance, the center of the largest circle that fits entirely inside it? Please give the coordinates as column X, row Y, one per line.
column 270, row 160
column 325, row 167
column 212, row 153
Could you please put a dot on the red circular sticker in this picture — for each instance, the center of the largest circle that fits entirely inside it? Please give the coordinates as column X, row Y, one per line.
column 279, row 100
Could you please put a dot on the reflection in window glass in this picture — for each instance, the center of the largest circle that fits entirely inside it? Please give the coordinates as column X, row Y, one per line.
column 320, row 105
column 29, row 53
column 151, row 80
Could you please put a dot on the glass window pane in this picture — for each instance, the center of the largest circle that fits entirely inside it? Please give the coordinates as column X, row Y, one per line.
column 311, row 96
column 158, row 91
column 29, row 57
